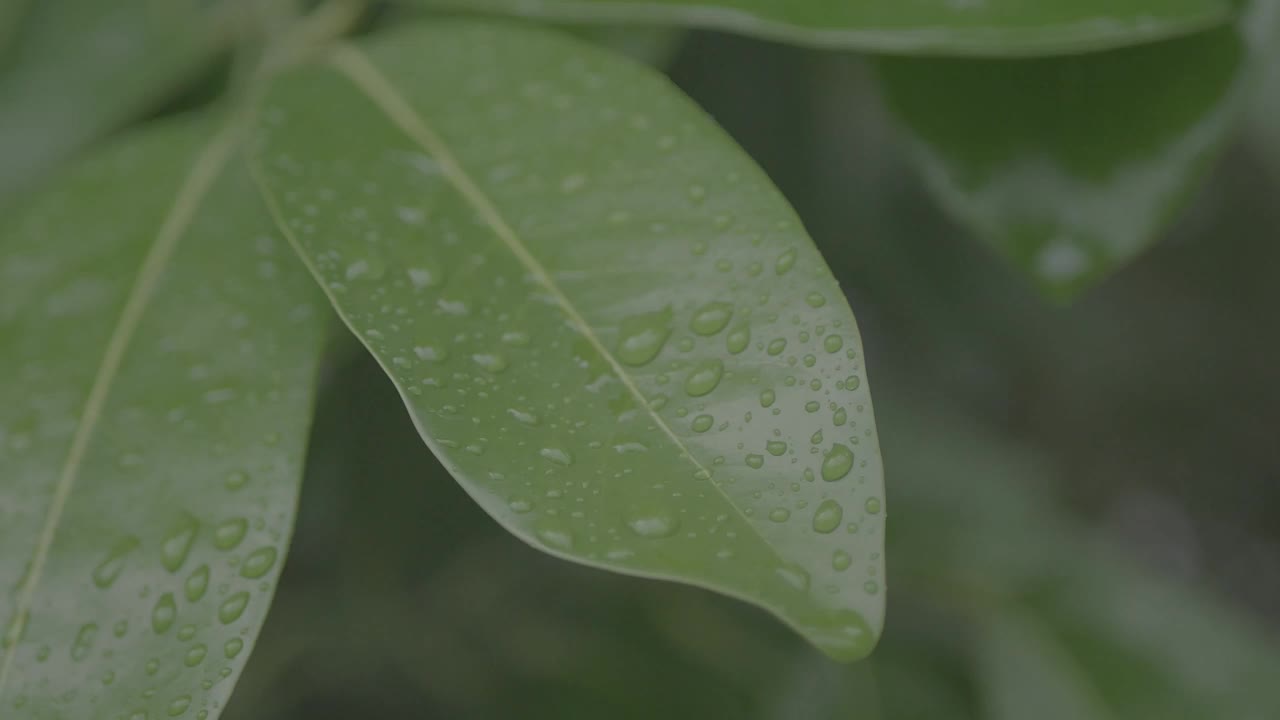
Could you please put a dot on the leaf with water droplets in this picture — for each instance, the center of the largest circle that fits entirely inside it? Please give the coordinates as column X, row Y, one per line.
column 553, row 182
column 934, row 27
column 1072, row 166
column 160, row 352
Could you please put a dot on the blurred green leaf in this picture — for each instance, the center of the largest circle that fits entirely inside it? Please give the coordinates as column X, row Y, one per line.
column 80, row 68
column 932, row 27
column 602, row 317
column 1025, row 673
column 654, row 46
column 160, row 351
column 1071, row 166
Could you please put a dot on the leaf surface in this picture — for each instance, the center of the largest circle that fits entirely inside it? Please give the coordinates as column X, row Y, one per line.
column 160, row 351
column 941, row 27
column 601, row 316
column 1071, row 166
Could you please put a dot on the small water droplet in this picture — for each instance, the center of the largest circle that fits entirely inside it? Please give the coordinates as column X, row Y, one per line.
column 651, row 522
column 186, row 632
column 755, row 461
column 258, row 563
column 229, row 534
column 815, row 300
column 196, row 584
column 839, row 417
column 366, row 268
column 641, row 337
column 810, row 360
column 525, row 417
column 840, row 561
column 871, row 587
column 107, row 571
column 431, row 353
column 233, row 607
column 816, row 438
column 837, row 463
column 232, row 648
column 827, row 517
column 704, row 378
column 179, row 705
column 557, row 455
column 120, row 628
column 520, row 505
column 852, row 382
column 493, row 362
column 872, row 505
column 236, row 479
column 775, row 447
column 177, row 544
column 195, row 655
column 163, row 614
column 812, row 406
column 711, row 318
column 779, row 515
column 738, row 339
column 702, row 423
column 767, row 397
column 573, row 182
column 152, row 667
column 776, row 346
column 833, row 343
column 794, row 576
column 554, row 534
column 83, row 644
column 785, row 262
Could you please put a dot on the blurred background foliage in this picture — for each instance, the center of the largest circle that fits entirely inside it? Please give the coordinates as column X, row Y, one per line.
column 1085, row 498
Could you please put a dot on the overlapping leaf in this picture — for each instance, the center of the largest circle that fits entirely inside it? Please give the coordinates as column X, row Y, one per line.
column 988, row 27
column 160, row 351
column 601, row 316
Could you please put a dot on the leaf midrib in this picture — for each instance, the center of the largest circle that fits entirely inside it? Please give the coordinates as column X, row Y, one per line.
column 205, row 170
column 352, row 63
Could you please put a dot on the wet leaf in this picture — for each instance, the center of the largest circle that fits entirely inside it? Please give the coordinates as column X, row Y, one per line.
column 1071, row 166
column 160, row 351
column 76, row 69
column 602, row 317
column 987, row 27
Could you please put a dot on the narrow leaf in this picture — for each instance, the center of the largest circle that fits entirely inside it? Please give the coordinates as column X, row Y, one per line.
column 79, row 68
column 943, row 27
column 1071, row 166
column 601, row 316
column 160, row 350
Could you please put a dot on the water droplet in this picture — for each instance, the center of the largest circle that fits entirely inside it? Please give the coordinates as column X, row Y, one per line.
column 697, row 193
column 554, row 534
column 852, row 382
column 775, row 447
column 871, row 587
column 105, row 575
column 840, row 417
column 738, row 339
column 833, row 343
column 177, row 544
column 653, row 522
column 704, row 378
column 179, row 705
column 258, row 563
column 520, row 505
column 779, row 515
column 83, row 644
column 873, row 506
column 236, row 479
column 812, row 406
column 525, row 417
column 816, row 438
column 767, row 397
column 163, row 614
column 755, row 461
column 837, row 463
column 827, row 517
column 711, row 318
column 785, row 262
column 152, row 667
column 810, row 360
column 186, row 632
column 430, row 353
column 794, row 576
column 573, row 182
column 815, row 300
column 493, row 362
column 702, row 423
column 557, row 456
column 195, row 655
column 366, row 268
column 840, row 561
column 229, row 534
column 197, row 583
column 641, row 337
column 232, row 648
column 120, row 628
column 776, row 346
column 233, row 607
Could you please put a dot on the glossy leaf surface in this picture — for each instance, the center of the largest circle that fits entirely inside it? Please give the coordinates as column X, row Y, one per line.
column 1071, row 166
column 990, row 27
column 160, row 351
column 602, row 317
column 75, row 69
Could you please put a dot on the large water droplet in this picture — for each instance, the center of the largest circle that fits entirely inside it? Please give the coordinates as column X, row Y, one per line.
column 704, row 378
column 229, row 534
column 837, row 463
column 197, row 583
column 827, row 517
column 641, row 337
column 233, row 607
column 711, row 318
column 107, row 571
column 177, row 544
column 163, row 614
column 258, row 563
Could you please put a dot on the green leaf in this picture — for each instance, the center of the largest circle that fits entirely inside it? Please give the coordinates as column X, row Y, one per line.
column 605, row 321
column 160, row 352
column 1024, row 672
column 79, row 68
column 988, row 27
column 1071, row 166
